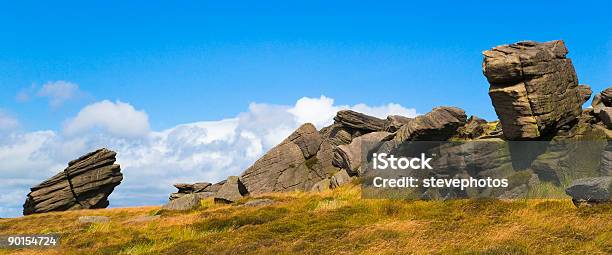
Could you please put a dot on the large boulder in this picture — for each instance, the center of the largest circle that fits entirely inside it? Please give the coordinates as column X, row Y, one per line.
column 349, row 156
column 534, row 88
column 438, row 125
column 232, row 191
column 288, row 166
column 85, row 184
column 591, row 190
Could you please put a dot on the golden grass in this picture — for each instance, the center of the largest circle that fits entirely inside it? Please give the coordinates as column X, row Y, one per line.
column 333, row 222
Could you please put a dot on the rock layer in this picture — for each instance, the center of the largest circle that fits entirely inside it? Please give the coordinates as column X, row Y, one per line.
column 534, row 88
column 85, row 184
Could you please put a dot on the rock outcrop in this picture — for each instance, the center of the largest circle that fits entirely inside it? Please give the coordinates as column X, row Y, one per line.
column 85, row 184
column 535, row 93
column 534, row 88
column 593, row 190
column 288, row 166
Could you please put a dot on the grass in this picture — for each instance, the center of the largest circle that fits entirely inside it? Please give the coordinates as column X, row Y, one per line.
column 333, row 222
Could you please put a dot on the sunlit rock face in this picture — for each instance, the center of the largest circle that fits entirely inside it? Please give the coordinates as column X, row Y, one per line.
column 533, row 87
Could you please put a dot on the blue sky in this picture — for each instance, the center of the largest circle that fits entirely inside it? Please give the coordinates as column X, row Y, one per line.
column 197, row 91
column 206, row 61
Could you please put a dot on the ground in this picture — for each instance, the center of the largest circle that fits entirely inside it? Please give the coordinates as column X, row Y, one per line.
column 333, row 222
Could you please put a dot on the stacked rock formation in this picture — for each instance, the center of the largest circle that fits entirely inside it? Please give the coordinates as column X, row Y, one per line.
column 534, row 88
column 85, row 184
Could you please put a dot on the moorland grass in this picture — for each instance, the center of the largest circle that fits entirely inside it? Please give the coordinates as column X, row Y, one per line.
column 333, row 222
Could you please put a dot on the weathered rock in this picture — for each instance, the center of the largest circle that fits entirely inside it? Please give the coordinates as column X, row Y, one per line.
column 93, row 219
column 606, row 97
column 474, row 128
column 340, row 178
column 322, row 185
column 184, row 188
column 215, row 187
column 591, row 190
column 232, row 191
column 360, row 121
column 259, row 202
column 534, row 88
column 605, row 115
column 85, row 184
column 144, row 218
column 183, row 203
column 438, row 125
column 395, row 122
column 332, row 136
column 288, row 166
column 585, row 92
column 349, row 156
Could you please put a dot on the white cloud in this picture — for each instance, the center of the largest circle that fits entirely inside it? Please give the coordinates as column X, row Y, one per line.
column 7, row 121
column 119, row 119
column 152, row 161
column 321, row 111
column 57, row 92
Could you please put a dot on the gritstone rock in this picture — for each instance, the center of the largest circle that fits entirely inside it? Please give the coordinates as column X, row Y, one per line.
column 85, row 184
column 184, row 203
column 232, row 191
column 534, row 88
column 340, row 178
column 288, row 166
column 438, row 125
column 591, row 190
column 349, row 156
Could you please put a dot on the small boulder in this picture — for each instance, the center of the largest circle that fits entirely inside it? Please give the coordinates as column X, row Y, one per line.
column 232, row 191
column 340, row 178
column 93, row 219
column 184, row 203
column 321, row 185
column 259, row 202
column 591, row 190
